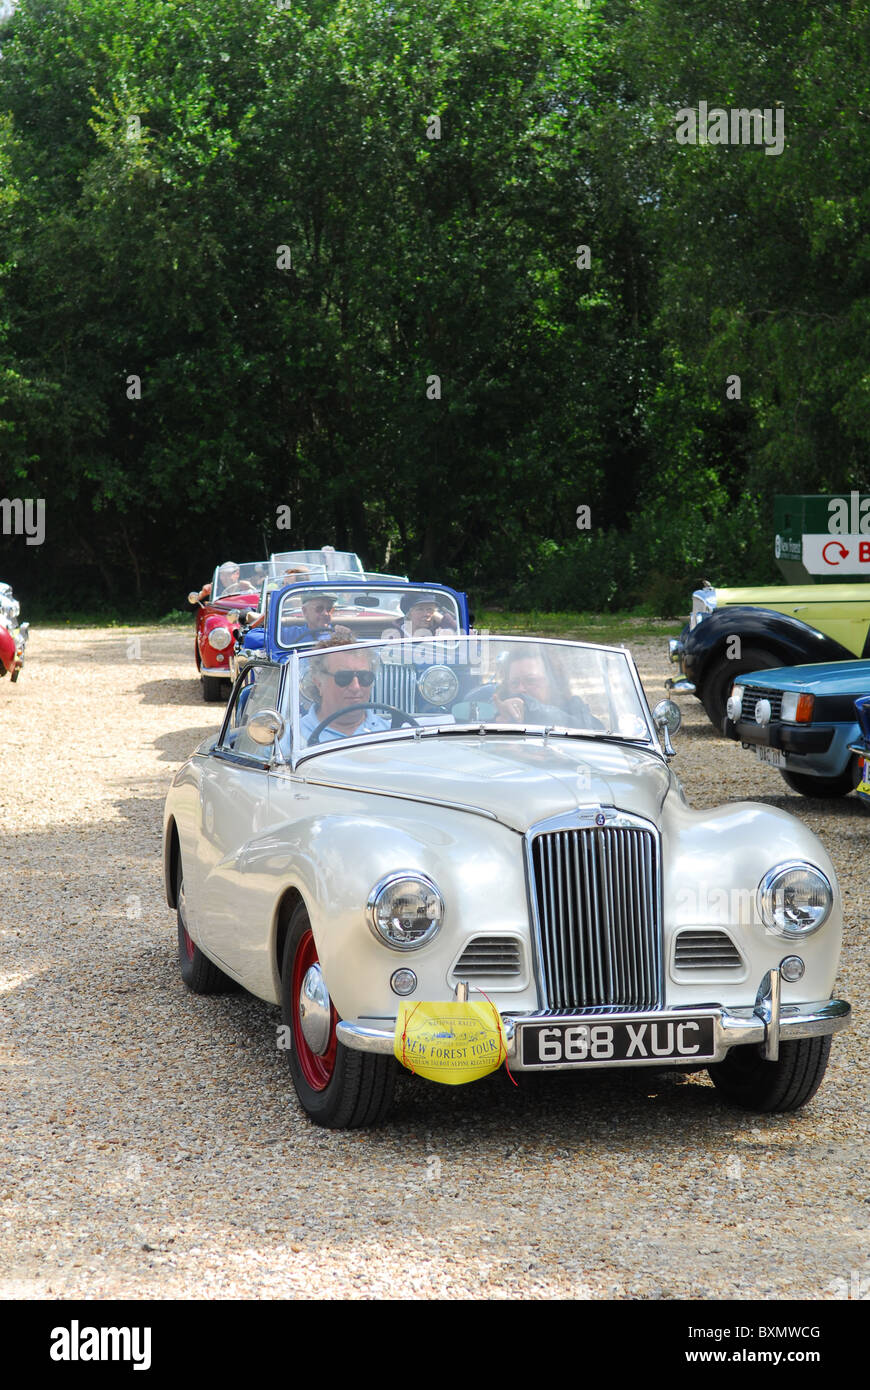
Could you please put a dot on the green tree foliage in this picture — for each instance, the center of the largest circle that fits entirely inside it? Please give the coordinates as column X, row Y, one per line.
column 156, row 154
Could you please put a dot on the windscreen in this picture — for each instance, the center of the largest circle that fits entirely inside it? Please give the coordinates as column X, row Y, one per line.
column 365, row 612
column 234, row 581
column 345, row 561
column 441, row 683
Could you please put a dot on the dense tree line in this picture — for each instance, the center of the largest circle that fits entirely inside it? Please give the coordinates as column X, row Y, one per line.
column 330, row 256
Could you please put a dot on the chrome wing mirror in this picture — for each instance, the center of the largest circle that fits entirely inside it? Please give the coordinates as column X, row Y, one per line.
column 667, row 718
column 267, row 727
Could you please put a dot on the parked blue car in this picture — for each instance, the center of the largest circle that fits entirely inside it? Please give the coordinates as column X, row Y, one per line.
column 861, row 749
column 802, row 720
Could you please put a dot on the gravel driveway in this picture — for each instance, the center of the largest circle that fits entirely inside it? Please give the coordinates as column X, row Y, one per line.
column 152, row 1144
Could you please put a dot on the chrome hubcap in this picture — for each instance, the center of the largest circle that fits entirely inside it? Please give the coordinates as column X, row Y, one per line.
column 315, row 1011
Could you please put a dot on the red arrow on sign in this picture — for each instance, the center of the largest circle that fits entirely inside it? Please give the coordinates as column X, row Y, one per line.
column 844, row 551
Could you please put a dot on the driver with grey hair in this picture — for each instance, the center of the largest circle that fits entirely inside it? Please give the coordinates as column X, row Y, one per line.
column 339, row 680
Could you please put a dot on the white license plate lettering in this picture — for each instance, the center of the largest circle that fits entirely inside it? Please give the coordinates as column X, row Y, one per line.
column 550, row 1044
column 576, row 1043
column 686, row 1049
column 636, row 1047
column 648, row 1040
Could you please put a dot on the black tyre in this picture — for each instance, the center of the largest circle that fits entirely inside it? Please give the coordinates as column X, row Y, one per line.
column 820, row 786
column 744, row 1078
column 338, row 1087
column 200, row 974
column 212, row 690
column 722, row 675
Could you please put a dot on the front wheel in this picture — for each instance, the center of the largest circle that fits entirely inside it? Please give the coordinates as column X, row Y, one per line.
column 212, row 690
column 820, row 786
column 338, row 1087
column 746, row 1080
column 200, row 974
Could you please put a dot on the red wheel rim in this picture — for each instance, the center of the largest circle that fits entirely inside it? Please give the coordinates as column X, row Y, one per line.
column 316, row 1070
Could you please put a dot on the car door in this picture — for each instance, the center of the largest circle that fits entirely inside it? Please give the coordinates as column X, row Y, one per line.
column 235, row 897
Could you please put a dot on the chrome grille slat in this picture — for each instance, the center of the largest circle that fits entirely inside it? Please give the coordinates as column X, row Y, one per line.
column 596, row 891
column 580, row 985
column 396, row 685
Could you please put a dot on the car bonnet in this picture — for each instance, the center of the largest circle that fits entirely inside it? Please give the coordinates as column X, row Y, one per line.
column 518, row 779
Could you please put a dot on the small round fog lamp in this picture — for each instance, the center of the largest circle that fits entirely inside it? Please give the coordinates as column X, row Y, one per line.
column 403, row 982
column 792, row 968
column 763, row 711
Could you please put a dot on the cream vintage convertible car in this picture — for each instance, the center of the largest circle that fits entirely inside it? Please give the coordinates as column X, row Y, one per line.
column 340, row 852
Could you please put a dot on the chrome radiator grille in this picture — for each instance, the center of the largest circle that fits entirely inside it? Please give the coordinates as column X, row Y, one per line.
column 596, row 892
column 397, row 685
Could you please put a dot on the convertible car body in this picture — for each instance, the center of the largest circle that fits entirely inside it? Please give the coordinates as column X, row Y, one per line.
column 802, row 720
column 13, row 634
column 734, row 631
column 367, row 608
column 235, row 590
column 332, row 851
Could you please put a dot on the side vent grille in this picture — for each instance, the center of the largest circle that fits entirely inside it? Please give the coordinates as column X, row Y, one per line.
column 487, row 957
column 706, row 950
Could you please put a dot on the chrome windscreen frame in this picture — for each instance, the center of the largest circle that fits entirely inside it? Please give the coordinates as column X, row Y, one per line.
column 651, row 744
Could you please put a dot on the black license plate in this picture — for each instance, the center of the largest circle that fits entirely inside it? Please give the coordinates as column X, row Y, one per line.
column 637, row 1040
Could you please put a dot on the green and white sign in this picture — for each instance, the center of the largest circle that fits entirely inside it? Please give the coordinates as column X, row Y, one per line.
column 823, row 536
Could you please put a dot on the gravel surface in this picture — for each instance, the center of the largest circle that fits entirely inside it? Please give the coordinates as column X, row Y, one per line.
column 152, row 1145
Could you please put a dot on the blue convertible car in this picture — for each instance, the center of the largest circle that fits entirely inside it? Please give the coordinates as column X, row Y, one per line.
column 301, row 613
column 802, row 720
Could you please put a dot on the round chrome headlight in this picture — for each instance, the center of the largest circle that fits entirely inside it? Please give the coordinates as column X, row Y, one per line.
column 438, row 685
column 734, row 707
column 794, row 899
column 220, row 638
column 405, row 910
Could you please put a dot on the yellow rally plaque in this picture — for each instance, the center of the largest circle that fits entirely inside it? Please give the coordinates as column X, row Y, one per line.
column 450, row 1041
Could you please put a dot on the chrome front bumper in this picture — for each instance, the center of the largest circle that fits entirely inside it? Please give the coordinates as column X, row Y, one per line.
column 768, row 1022
column 678, row 685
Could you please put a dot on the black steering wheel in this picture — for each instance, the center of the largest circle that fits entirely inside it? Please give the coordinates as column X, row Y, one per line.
column 399, row 717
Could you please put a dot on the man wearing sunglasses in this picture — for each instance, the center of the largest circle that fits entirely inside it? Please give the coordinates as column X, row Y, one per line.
column 317, row 613
column 341, row 679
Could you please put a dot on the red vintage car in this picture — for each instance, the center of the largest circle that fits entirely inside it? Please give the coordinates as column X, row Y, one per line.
column 233, row 590
column 13, row 635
